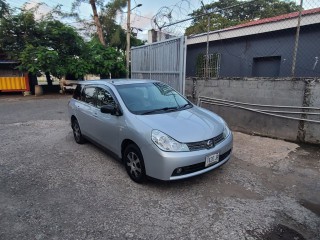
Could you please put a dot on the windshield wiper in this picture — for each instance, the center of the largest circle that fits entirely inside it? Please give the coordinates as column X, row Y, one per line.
column 165, row 109
column 185, row 105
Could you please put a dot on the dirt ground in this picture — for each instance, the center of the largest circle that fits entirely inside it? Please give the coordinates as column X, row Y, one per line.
column 53, row 188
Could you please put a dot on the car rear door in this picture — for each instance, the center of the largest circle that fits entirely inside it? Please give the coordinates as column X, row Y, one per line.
column 85, row 111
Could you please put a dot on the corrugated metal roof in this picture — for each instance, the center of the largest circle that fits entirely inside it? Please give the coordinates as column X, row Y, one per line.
column 281, row 22
column 275, row 19
column 2, row 61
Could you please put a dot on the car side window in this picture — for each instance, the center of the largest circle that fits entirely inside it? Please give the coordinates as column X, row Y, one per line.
column 88, row 95
column 77, row 92
column 104, row 98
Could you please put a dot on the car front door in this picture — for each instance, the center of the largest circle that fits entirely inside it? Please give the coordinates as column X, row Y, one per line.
column 107, row 126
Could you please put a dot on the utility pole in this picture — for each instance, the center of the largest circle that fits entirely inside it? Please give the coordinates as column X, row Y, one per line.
column 296, row 42
column 128, row 39
column 207, row 50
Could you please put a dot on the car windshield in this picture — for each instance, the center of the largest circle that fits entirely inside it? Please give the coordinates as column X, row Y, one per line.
column 151, row 98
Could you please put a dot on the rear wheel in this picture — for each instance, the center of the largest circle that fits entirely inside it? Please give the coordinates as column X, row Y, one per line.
column 78, row 137
column 134, row 163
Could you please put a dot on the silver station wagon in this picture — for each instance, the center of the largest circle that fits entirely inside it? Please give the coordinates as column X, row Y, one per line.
column 153, row 129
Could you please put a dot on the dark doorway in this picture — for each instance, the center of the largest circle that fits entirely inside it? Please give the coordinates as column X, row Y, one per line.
column 266, row 66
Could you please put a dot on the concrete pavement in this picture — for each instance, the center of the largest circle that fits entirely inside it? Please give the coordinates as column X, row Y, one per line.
column 53, row 188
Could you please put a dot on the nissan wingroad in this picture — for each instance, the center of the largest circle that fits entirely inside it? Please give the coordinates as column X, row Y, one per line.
column 151, row 127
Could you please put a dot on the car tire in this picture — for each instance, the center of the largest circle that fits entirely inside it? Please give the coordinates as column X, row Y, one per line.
column 78, row 137
column 134, row 163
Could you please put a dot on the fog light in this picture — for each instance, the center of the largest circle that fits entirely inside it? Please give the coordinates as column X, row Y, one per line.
column 179, row 170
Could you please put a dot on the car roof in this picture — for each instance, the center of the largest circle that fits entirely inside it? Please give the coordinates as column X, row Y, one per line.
column 116, row 82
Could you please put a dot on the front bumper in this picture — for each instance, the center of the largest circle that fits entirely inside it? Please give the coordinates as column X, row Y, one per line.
column 161, row 165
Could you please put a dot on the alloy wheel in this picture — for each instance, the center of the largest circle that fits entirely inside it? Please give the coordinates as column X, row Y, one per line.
column 134, row 164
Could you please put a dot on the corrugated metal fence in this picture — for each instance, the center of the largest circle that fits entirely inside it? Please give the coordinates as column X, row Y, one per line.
column 163, row 61
column 14, row 84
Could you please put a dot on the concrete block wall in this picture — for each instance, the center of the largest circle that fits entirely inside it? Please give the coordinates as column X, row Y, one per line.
column 263, row 91
column 312, row 129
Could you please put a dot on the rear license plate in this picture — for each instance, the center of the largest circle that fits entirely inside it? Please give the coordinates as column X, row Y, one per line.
column 212, row 159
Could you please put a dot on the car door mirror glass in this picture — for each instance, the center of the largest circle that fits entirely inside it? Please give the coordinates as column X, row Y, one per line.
column 108, row 109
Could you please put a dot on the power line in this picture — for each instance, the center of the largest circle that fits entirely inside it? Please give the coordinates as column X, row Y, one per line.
column 205, row 14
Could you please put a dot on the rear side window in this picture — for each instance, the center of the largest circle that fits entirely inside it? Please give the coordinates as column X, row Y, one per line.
column 77, row 92
column 88, row 95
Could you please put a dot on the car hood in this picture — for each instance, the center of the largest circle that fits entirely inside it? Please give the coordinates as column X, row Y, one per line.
column 190, row 125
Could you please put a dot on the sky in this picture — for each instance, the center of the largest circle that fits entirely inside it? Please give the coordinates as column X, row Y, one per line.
column 140, row 17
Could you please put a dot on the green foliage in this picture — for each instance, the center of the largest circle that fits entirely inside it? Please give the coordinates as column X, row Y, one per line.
column 33, row 59
column 78, row 67
column 223, row 15
column 47, row 45
column 105, row 60
column 4, row 9
column 16, row 31
column 60, row 37
column 112, row 7
column 114, row 34
column 50, row 46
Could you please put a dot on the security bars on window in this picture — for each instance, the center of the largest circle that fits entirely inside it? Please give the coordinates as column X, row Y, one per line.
column 213, row 65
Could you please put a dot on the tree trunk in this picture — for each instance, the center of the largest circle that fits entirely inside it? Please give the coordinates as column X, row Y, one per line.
column 32, row 82
column 49, row 80
column 97, row 22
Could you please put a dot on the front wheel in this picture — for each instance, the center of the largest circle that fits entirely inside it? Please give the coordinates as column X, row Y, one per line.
column 134, row 163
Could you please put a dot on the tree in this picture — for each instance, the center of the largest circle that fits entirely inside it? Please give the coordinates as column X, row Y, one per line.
column 52, row 47
column 113, row 6
column 46, row 45
column 113, row 34
column 97, row 22
column 227, row 13
column 93, row 4
column 16, row 31
column 4, row 9
column 57, row 51
column 106, row 60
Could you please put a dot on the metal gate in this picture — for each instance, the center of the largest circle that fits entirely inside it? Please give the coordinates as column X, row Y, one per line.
column 163, row 61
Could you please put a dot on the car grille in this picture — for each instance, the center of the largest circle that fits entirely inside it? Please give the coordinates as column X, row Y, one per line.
column 195, row 146
column 199, row 166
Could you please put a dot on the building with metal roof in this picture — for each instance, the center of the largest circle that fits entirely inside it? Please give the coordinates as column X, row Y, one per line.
column 259, row 48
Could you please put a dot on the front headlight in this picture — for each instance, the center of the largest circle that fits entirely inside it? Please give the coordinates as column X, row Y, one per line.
column 166, row 143
column 226, row 131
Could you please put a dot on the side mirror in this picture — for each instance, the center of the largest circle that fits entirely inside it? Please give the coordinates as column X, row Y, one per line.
column 110, row 109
